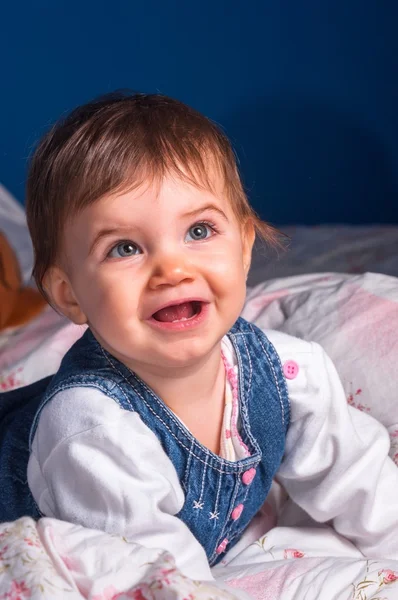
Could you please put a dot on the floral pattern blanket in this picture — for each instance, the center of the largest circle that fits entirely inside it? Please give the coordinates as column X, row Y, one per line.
column 53, row 560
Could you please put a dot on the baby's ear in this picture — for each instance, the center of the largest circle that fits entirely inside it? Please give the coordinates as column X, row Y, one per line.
column 248, row 237
column 60, row 292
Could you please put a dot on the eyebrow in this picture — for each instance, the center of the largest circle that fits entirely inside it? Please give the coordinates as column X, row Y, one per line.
column 211, row 207
column 115, row 231
column 104, row 233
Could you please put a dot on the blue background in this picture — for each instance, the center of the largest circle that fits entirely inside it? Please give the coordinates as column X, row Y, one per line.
column 308, row 91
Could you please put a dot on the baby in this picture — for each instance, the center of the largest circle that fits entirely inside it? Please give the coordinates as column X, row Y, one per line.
column 171, row 416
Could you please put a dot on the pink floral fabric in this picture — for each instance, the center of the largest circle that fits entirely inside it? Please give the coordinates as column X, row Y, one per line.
column 53, row 560
column 355, row 319
column 59, row 561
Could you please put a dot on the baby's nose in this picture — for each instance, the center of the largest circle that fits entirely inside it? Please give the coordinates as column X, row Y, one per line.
column 171, row 270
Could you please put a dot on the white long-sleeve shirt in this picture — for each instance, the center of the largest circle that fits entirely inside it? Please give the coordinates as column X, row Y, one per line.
column 97, row 465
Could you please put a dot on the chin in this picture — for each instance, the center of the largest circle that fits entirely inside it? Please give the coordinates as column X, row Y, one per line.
column 183, row 358
column 187, row 354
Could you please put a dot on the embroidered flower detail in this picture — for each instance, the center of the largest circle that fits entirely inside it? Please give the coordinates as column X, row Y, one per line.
column 18, row 591
column 165, row 575
column 352, row 402
column 292, row 553
column 214, row 515
column 388, row 576
column 110, row 593
column 10, row 381
column 198, row 504
column 138, row 595
column 31, row 542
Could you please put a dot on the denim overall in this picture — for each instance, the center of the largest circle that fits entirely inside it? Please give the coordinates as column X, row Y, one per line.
column 221, row 497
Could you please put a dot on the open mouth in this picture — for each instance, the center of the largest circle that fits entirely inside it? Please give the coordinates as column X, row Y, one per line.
column 178, row 312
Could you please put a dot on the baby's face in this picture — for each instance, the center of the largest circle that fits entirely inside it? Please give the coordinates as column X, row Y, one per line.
column 159, row 275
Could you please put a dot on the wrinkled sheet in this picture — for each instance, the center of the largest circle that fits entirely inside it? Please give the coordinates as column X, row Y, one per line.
column 56, row 560
column 355, row 319
column 350, row 249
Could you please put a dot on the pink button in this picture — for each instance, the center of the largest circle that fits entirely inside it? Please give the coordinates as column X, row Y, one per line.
column 290, row 369
column 222, row 546
column 236, row 513
column 248, row 476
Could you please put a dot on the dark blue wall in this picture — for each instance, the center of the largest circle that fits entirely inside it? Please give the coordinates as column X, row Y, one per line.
column 308, row 91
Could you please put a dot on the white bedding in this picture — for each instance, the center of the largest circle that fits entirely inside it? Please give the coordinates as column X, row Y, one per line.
column 56, row 560
column 283, row 554
column 338, row 248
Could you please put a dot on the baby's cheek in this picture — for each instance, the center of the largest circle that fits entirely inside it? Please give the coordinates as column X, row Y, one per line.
column 234, row 280
column 96, row 298
column 233, row 294
column 227, row 267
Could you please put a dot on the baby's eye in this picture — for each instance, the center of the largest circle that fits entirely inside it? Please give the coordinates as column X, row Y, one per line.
column 199, row 231
column 123, row 250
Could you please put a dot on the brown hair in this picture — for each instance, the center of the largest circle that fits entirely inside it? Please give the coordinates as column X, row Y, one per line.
column 116, row 143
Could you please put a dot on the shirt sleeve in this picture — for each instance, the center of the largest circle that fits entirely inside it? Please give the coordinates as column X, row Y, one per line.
column 336, row 465
column 101, row 467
